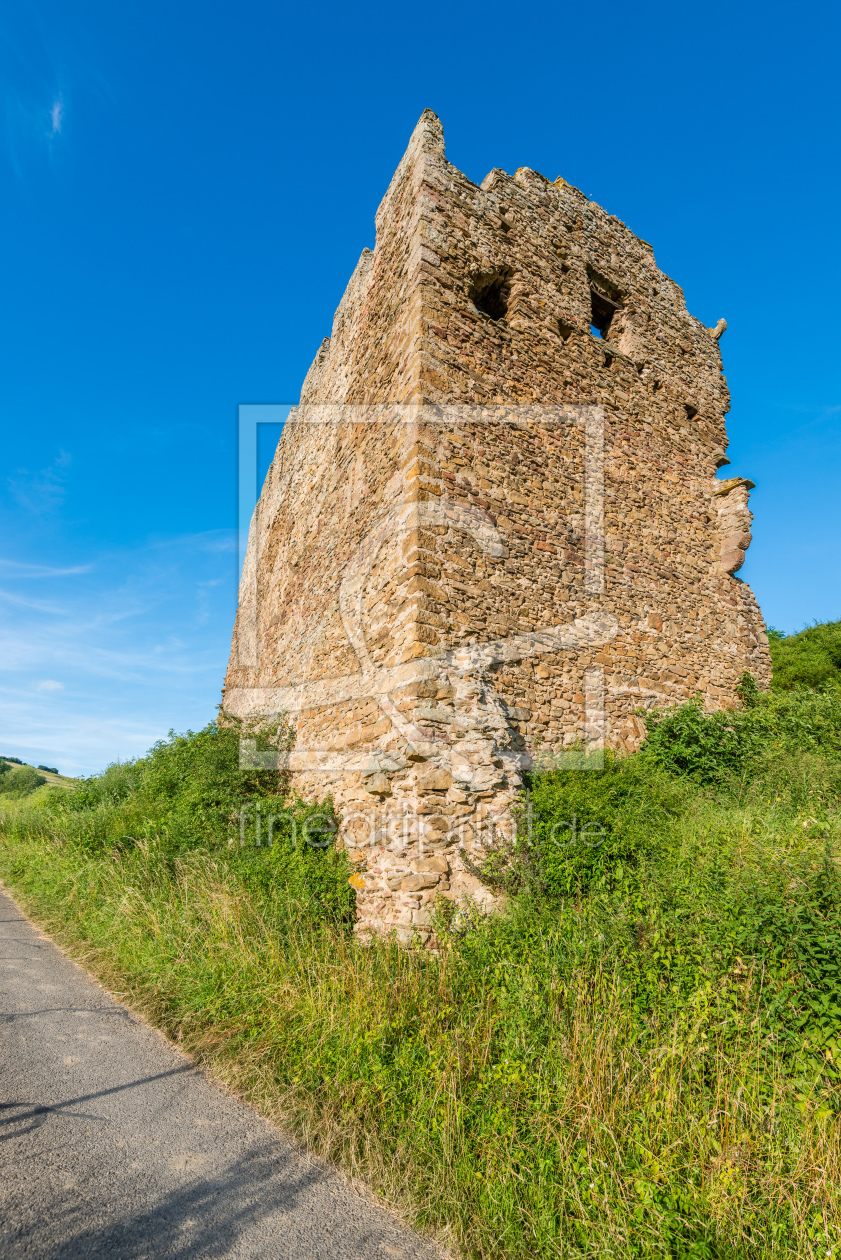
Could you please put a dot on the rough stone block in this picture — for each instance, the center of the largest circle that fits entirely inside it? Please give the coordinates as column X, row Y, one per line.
column 432, row 864
column 416, row 882
column 436, row 780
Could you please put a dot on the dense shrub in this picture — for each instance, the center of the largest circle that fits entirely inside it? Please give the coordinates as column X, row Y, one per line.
column 710, row 748
column 20, row 782
column 708, row 858
column 811, row 658
column 113, row 784
column 742, row 744
column 679, row 889
column 585, row 828
column 190, row 794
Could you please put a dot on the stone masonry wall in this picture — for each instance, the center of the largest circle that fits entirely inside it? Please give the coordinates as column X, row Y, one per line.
column 489, row 532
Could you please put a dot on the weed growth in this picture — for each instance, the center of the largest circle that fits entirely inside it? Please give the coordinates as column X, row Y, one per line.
column 639, row 1058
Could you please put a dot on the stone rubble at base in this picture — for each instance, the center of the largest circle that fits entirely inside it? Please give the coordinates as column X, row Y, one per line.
column 489, row 533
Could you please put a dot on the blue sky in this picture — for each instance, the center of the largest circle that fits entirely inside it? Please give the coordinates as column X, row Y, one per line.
column 185, row 191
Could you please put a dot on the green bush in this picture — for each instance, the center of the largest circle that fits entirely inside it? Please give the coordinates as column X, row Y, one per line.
column 197, row 782
column 711, row 748
column 708, row 858
column 811, row 658
column 740, row 745
column 585, row 828
column 190, row 794
column 20, row 782
column 113, row 784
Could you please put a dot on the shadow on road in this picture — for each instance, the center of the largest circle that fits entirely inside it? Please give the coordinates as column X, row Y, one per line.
column 207, row 1217
column 46, row 1108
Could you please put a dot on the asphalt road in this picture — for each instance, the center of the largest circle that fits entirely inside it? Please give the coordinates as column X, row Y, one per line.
column 112, row 1144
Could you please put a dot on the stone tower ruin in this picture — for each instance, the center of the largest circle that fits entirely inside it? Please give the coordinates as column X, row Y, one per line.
column 492, row 529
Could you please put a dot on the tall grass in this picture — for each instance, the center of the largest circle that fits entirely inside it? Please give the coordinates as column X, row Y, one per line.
column 638, row 1059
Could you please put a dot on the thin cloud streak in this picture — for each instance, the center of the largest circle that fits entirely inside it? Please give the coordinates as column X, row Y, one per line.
column 97, row 669
column 18, row 601
column 78, row 742
column 45, row 491
column 20, row 570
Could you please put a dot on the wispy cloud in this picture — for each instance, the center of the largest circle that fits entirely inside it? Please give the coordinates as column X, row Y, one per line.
column 46, row 608
column 33, row 123
column 95, row 669
column 16, row 569
column 78, row 741
column 44, row 491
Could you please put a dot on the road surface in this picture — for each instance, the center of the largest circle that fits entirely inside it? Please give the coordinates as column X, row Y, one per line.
column 112, row 1144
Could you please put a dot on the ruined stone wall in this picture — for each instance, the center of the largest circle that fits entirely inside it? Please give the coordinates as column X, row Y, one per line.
column 487, row 529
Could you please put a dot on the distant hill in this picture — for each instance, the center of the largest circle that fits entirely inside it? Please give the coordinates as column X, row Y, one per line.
column 52, row 776
column 811, row 658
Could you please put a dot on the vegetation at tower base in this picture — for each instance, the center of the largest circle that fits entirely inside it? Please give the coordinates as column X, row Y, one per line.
column 437, row 558
column 638, row 1056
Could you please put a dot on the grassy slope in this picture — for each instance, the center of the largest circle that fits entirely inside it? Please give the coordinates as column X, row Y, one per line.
column 634, row 1064
column 52, row 780
column 56, row 780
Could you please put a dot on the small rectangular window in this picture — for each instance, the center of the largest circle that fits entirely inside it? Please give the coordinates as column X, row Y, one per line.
column 602, row 312
column 605, row 301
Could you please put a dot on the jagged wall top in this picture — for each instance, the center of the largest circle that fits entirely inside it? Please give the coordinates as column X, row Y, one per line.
column 584, row 237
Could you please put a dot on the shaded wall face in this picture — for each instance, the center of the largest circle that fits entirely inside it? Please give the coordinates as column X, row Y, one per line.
column 679, row 624
column 518, row 273
column 330, row 488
